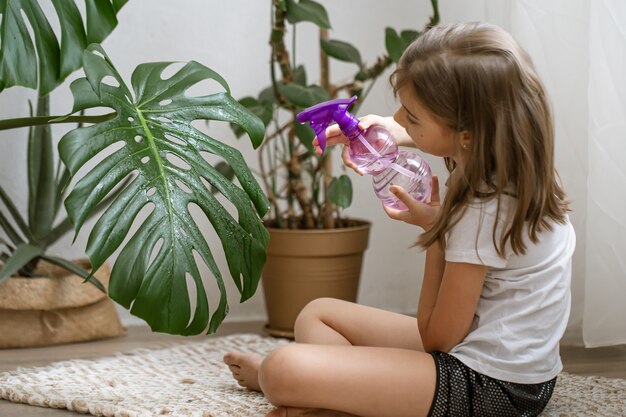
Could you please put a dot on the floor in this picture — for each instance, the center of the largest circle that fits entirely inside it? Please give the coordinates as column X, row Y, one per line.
column 609, row 361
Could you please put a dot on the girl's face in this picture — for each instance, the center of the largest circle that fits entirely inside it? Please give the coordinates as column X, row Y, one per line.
column 428, row 134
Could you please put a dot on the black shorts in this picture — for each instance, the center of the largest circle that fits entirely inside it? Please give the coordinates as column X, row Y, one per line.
column 462, row 392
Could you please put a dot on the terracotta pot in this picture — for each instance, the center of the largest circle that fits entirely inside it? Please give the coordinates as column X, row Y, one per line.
column 303, row 265
column 56, row 309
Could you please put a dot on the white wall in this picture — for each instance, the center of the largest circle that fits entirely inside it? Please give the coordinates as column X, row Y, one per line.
column 232, row 38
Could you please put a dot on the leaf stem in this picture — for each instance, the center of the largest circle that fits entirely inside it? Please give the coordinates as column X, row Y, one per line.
column 42, row 120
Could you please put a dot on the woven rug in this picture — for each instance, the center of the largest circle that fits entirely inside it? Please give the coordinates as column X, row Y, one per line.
column 191, row 380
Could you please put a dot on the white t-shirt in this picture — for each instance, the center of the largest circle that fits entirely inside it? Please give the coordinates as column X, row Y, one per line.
column 524, row 305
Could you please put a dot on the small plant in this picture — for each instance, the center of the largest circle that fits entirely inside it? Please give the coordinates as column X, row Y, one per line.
column 302, row 191
column 29, row 238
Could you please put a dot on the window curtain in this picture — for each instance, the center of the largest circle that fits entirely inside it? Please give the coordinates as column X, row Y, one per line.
column 579, row 48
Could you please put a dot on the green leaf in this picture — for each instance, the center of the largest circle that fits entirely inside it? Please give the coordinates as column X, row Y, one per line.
column 304, row 96
column 397, row 44
column 41, row 185
column 9, row 230
column 22, row 255
column 76, row 269
column 39, row 62
column 307, row 11
column 65, row 226
column 408, row 36
column 73, row 37
column 299, row 75
column 15, row 213
column 226, row 170
column 162, row 147
column 305, row 134
column 342, row 51
column 268, row 96
column 394, row 44
column 340, row 191
column 263, row 110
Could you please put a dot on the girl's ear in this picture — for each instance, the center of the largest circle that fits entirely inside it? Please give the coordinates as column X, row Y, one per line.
column 465, row 140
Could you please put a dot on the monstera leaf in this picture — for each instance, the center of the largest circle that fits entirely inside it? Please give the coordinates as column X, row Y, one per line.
column 163, row 151
column 21, row 58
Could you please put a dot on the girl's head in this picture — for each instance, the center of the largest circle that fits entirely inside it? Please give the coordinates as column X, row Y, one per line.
column 480, row 87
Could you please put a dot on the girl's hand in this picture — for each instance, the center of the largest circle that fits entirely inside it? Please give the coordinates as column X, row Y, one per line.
column 420, row 214
column 334, row 136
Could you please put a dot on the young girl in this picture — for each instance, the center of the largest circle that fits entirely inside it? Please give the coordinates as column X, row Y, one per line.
column 495, row 297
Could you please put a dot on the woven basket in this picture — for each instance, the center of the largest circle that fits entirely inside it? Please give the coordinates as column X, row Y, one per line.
column 56, row 309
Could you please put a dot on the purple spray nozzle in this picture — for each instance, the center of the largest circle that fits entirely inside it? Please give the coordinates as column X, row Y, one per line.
column 323, row 114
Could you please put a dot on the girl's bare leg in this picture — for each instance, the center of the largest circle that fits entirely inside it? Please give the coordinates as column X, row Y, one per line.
column 357, row 380
column 335, row 322
column 328, row 321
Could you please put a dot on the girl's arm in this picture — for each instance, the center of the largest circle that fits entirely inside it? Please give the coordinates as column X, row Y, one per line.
column 448, row 299
column 450, row 290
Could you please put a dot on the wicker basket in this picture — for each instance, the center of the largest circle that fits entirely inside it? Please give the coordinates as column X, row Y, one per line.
column 56, row 309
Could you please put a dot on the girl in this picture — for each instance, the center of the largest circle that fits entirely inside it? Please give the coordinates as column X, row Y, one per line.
column 495, row 296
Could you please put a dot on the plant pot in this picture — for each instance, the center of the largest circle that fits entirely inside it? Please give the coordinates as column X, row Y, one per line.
column 58, row 308
column 303, row 265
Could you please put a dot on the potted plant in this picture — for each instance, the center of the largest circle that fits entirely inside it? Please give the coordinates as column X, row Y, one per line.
column 314, row 250
column 159, row 165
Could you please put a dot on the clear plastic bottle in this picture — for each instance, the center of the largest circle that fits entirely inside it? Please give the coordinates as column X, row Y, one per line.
column 410, row 172
column 382, row 153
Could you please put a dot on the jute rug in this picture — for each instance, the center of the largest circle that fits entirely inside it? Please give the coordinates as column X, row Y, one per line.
column 191, row 381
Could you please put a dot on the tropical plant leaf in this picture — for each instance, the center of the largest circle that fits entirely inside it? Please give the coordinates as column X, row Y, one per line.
column 65, row 226
column 267, row 95
column 299, row 75
column 408, row 36
column 340, row 191
column 23, row 58
column 262, row 109
column 305, row 134
column 10, row 230
column 342, row 51
column 15, row 213
column 307, row 11
column 394, row 44
column 226, row 170
column 154, row 125
column 23, row 254
column 77, row 269
column 304, row 96
column 41, row 184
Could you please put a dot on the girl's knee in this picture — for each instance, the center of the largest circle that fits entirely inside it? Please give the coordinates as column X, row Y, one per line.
column 309, row 316
column 318, row 308
column 279, row 374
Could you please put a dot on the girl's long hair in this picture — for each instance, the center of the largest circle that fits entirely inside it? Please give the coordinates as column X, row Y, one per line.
column 474, row 77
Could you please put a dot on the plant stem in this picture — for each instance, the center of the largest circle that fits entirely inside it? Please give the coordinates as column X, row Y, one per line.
column 42, row 120
column 435, row 18
column 327, row 208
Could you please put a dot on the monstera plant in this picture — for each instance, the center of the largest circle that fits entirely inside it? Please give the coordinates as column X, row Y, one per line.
column 159, row 164
column 154, row 123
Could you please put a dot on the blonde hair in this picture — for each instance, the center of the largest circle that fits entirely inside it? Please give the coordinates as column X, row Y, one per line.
column 474, row 77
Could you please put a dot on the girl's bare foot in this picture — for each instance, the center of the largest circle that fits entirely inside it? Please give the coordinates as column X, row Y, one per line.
column 245, row 368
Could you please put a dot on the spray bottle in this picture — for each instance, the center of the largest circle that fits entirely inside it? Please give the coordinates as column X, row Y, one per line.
column 374, row 151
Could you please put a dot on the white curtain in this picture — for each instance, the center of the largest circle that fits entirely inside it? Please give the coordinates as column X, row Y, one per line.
column 579, row 47
column 604, row 320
